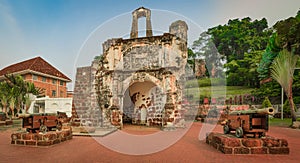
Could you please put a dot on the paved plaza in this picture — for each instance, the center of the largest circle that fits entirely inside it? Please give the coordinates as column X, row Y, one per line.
column 187, row 149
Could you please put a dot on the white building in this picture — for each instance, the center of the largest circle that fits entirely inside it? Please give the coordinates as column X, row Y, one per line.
column 51, row 105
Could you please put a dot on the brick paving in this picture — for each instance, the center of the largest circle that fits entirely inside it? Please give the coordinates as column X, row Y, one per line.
column 187, row 149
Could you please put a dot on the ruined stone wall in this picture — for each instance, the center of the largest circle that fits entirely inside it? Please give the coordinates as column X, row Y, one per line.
column 100, row 89
column 85, row 97
column 159, row 60
column 82, row 89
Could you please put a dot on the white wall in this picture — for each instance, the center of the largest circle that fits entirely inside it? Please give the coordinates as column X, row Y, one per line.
column 52, row 105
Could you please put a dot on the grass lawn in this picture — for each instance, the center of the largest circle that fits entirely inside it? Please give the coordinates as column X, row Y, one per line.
column 17, row 124
column 286, row 122
column 217, row 91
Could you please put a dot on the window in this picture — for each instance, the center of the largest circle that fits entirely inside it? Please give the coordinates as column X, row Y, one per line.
column 61, row 94
column 44, row 79
column 34, row 77
column 53, row 81
column 53, row 93
column 61, row 83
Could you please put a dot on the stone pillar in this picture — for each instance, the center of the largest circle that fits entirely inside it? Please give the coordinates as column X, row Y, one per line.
column 148, row 24
column 134, row 27
column 179, row 28
column 136, row 14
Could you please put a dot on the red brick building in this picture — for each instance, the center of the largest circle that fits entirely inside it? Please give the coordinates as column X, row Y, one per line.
column 42, row 74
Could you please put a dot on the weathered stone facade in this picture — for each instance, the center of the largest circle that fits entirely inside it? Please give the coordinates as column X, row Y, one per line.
column 137, row 80
column 141, row 78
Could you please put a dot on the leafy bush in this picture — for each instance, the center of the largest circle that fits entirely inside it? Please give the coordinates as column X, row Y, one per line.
column 266, row 103
column 286, row 107
column 296, row 100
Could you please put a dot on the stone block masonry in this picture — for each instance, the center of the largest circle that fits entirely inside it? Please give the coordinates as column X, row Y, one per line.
column 229, row 144
column 36, row 139
column 84, row 98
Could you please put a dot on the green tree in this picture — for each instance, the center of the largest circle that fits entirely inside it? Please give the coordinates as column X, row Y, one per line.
column 282, row 70
column 286, row 36
column 204, row 48
column 243, row 71
column 268, row 56
column 271, row 89
column 288, row 31
column 12, row 103
column 286, row 107
column 14, row 91
column 191, row 59
column 266, row 103
column 241, row 42
column 4, row 97
column 237, row 37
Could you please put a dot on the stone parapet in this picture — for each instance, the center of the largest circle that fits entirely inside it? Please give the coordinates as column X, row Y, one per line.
column 37, row 139
column 229, row 144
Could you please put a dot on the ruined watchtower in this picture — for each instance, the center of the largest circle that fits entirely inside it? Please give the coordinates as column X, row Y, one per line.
column 139, row 79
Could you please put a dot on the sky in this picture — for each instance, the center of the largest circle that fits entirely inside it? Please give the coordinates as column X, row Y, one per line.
column 69, row 33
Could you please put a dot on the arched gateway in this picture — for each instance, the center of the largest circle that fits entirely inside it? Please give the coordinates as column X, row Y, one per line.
column 139, row 80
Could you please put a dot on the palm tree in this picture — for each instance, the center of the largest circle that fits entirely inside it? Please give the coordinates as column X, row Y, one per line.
column 19, row 89
column 30, row 88
column 28, row 101
column 17, row 92
column 12, row 103
column 4, row 97
column 282, row 70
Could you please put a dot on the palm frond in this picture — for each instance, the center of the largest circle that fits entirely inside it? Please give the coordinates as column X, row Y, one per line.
column 283, row 67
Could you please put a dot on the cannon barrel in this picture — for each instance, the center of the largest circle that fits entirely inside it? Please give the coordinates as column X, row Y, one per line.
column 25, row 115
column 269, row 110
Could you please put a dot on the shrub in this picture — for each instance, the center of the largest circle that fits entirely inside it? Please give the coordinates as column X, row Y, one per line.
column 286, row 107
column 296, row 99
column 266, row 103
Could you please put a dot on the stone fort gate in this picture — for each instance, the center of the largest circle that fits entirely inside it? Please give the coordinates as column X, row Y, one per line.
column 138, row 80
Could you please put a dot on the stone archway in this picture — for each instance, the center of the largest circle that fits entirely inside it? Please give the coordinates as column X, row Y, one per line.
column 143, row 102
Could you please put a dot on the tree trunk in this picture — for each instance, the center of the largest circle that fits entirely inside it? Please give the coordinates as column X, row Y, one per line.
column 26, row 108
column 12, row 112
column 18, row 109
column 291, row 101
column 5, row 111
column 292, row 106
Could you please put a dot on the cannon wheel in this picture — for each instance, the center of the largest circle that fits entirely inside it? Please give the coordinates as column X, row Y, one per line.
column 43, row 128
column 58, row 126
column 239, row 132
column 262, row 134
column 226, row 129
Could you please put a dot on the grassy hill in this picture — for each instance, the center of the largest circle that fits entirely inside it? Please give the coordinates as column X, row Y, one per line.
column 216, row 88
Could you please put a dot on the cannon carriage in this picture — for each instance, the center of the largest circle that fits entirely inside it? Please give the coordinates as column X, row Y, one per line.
column 41, row 122
column 254, row 122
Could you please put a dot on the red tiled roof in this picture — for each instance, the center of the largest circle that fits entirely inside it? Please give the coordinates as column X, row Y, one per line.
column 36, row 64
